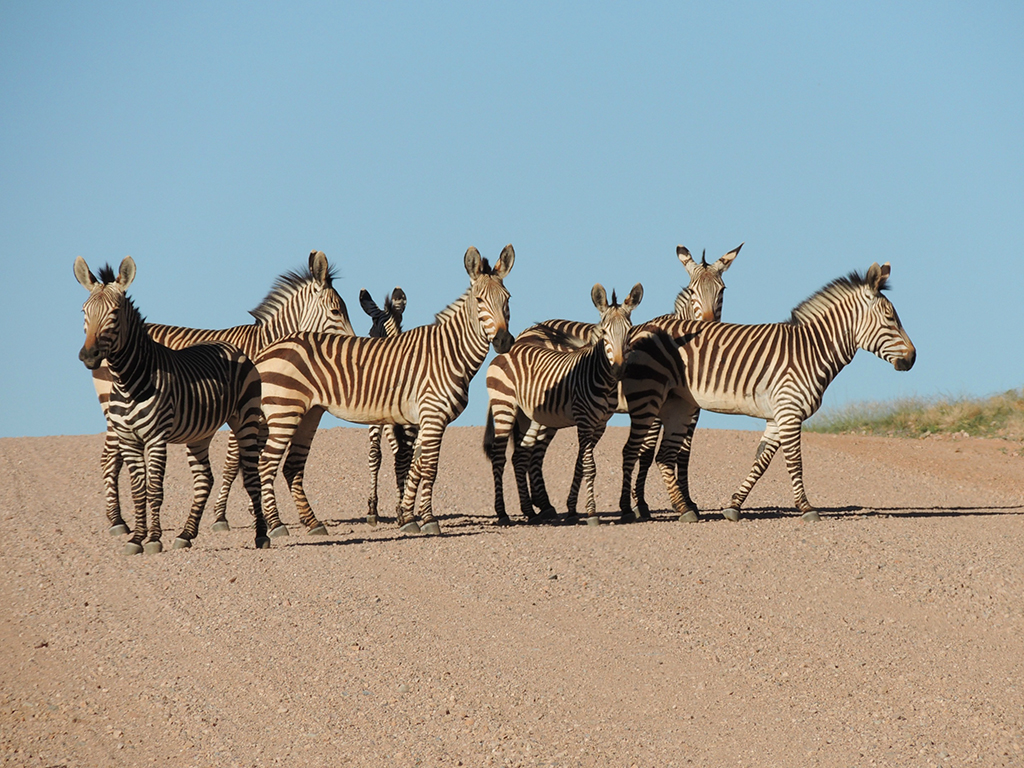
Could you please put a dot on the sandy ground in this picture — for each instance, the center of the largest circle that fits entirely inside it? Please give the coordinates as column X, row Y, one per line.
column 890, row 633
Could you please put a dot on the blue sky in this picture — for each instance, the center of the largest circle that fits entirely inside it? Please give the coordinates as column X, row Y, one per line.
column 219, row 143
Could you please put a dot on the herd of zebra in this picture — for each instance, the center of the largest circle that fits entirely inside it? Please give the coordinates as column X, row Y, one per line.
column 271, row 382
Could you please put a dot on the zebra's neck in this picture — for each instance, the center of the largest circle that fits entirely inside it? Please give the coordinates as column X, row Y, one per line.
column 460, row 326
column 131, row 356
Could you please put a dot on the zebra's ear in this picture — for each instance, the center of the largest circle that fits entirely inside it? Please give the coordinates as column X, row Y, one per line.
column 633, row 300
column 83, row 275
column 473, row 263
column 398, row 300
column 126, row 272
column 726, row 261
column 683, row 253
column 877, row 276
column 599, row 297
column 505, row 261
column 367, row 303
column 318, row 267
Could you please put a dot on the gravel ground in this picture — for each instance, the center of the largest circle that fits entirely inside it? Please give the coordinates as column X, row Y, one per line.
column 890, row 633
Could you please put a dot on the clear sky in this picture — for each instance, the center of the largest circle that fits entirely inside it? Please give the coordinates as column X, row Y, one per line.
column 218, row 143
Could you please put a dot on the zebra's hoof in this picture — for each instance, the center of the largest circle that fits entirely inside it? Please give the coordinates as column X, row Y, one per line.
column 153, row 547
column 320, row 530
column 503, row 521
column 281, row 530
column 220, row 526
column 431, row 529
column 731, row 513
column 689, row 516
column 262, row 542
column 411, row 527
column 132, row 548
column 546, row 515
column 595, row 520
column 118, row 530
column 371, row 520
column 811, row 516
column 180, row 543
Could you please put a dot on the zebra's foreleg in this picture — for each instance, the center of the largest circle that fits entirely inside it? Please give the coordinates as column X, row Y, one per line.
column 110, row 464
column 134, row 455
column 644, row 460
column 156, row 466
column 765, row 452
column 202, row 481
column 588, row 438
column 295, row 468
column 280, row 428
column 220, row 507
column 789, row 436
column 425, row 469
column 375, row 431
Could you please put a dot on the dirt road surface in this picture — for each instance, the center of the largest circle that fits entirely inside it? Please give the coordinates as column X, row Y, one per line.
column 890, row 633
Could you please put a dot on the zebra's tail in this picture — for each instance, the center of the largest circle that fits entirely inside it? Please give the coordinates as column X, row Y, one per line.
column 489, row 432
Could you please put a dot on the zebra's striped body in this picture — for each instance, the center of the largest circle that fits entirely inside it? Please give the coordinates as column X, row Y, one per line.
column 700, row 300
column 161, row 396
column 553, row 388
column 387, row 322
column 298, row 301
column 420, row 377
column 777, row 372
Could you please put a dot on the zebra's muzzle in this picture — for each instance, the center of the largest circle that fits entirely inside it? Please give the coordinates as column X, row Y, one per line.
column 905, row 363
column 91, row 357
column 502, row 341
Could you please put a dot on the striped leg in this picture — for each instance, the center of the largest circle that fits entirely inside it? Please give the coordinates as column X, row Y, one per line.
column 405, row 444
column 641, row 421
column 156, row 467
column 789, row 435
column 135, row 458
column 202, row 482
column 375, row 432
column 643, row 466
column 295, row 469
column 588, row 439
column 110, row 463
column 504, row 418
column 683, row 463
column 677, row 418
column 423, row 473
column 280, row 428
column 765, row 452
column 248, row 435
column 538, row 489
column 220, row 507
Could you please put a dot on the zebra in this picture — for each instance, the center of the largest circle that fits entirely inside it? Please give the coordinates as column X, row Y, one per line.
column 387, row 322
column 297, row 301
column 420, row 377
column 700, row 300
column 555, row 388
column 160, row 395
column 777, row 372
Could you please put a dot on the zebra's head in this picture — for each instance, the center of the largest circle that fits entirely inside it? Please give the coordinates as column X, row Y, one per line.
column 613, row 330
column 102, row 309
column 387, row 321
column 305, row 301
column 879, row 330
column 702, row 298
column 491, row 296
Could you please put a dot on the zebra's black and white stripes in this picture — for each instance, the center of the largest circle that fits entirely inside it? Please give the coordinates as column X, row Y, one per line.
column 298, row 301
column 777, row 372
column 161, row 396
column 387, row 322
column 420, row 377
column 554, row 388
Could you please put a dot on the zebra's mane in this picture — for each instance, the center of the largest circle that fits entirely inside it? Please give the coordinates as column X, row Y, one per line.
column 284, row 289
column 107, row 275
column 820, row 302
column 561, row 338
column 452, row 309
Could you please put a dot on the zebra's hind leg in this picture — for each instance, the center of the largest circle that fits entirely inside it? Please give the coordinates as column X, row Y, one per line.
column 641, row 420
column 677, row 418
column 500, row 421
column 202, row 481
column 110, row 464
column 765, row 453
column 295, row 467
column 220, row 507
column 249, row 437
column 538, row 489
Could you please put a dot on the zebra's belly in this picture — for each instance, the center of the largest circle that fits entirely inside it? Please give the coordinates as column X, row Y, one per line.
column 557, row 419
column 381, row 414
column 755, row 405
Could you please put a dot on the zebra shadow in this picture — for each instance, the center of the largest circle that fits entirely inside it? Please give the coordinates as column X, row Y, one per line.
column 855, row 512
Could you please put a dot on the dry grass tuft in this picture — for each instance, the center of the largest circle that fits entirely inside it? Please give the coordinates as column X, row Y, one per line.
column 997, row 416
